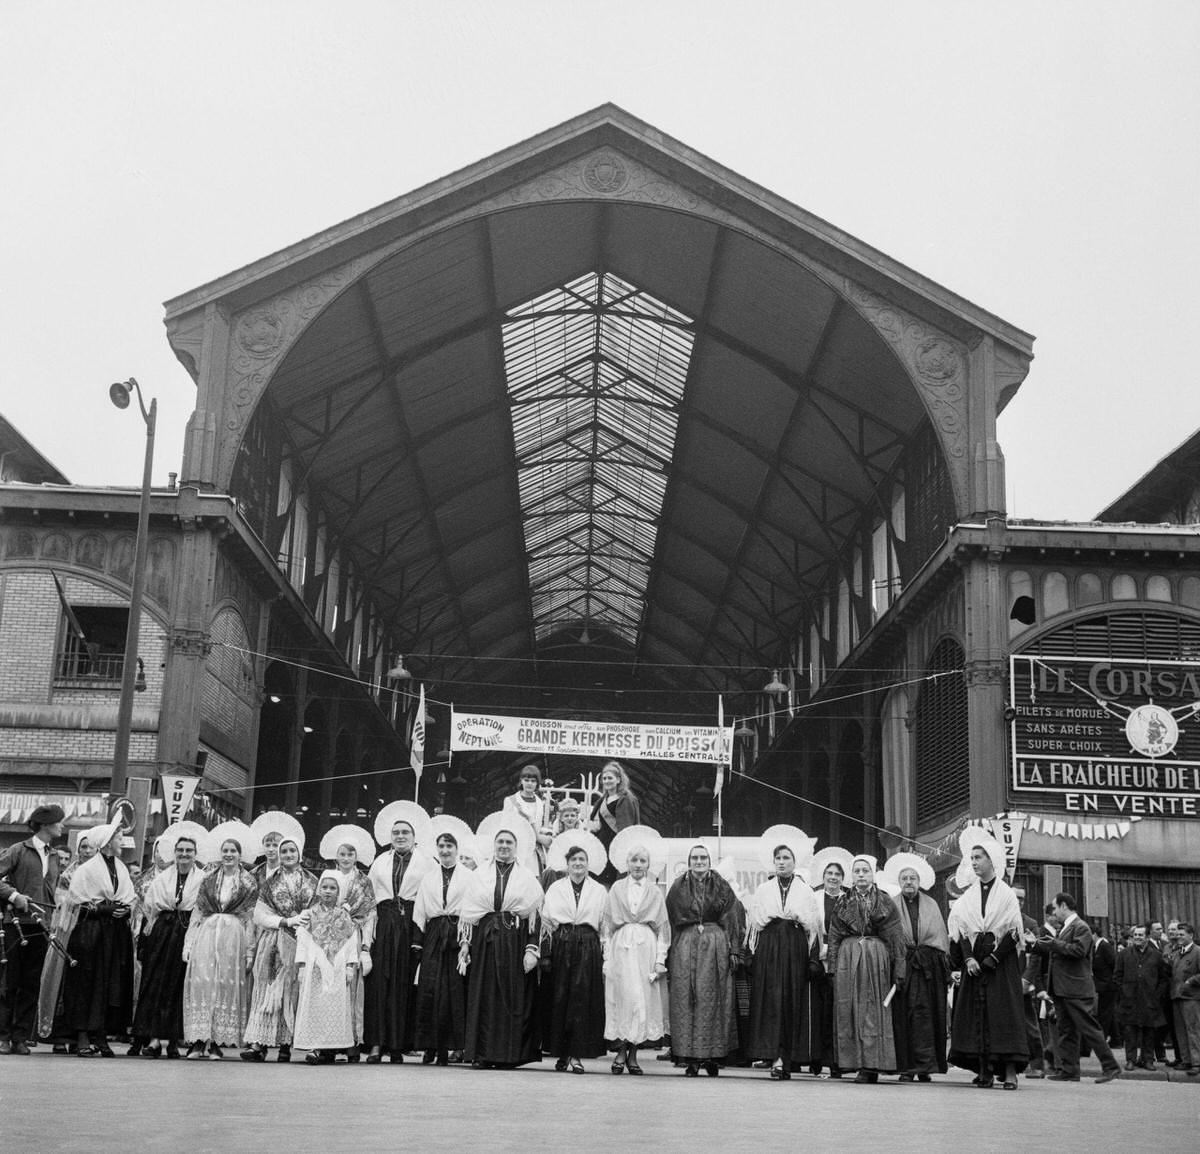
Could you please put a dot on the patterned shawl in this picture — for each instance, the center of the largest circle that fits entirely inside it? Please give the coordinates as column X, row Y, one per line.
column 330, row 928
column 241, row 902
column 356, row 893
column 287, row 892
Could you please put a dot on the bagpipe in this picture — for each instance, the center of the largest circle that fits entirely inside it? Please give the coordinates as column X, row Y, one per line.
column 33, row 911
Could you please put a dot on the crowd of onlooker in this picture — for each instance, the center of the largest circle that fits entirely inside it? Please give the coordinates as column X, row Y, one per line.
column 1147, row 994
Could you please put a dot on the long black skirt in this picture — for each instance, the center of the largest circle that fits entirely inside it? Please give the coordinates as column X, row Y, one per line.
column 989, row 1020
column 388, row 989
column 501, row 997
column 822, row 1043
column 919, row 1014
column 160, row 997
column 576, row 994
column 98, row 990
column 779, row 1002
column 441, row 1008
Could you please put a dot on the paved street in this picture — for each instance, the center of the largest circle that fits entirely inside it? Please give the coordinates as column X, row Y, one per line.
column 228, row 1106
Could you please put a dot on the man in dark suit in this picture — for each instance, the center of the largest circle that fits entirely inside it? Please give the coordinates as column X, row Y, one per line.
column 1104, row 964
column 1069, row 981
column 1031, row 986
column 28, row 876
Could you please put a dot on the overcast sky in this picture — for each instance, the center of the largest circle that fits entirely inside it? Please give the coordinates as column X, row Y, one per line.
column 1040, row 159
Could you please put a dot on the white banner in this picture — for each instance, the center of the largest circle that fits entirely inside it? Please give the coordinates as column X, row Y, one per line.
column 480, row 732
column 1007, row 829
column 178, row 791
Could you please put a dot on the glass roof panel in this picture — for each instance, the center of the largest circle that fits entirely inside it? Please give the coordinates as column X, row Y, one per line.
column 595, row 372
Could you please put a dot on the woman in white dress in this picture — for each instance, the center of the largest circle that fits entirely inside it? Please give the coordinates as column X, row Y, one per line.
column 219, row 950
column 636, row 935
column 330, row 961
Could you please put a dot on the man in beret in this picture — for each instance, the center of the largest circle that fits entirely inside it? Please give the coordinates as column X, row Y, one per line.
column 28, row 876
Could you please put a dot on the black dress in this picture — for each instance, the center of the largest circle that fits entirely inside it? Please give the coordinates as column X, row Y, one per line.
column 779, row 999
column 501, row 998
column 160, row 997
column 388, row 988
column 441, row 1009
column 576, row 1017
column 98, row 990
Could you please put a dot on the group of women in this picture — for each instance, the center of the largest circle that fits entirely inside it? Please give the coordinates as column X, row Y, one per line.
column 498, row 945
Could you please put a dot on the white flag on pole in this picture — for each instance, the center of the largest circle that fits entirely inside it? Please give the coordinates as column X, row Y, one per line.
column 417, row 754
column 721, row 766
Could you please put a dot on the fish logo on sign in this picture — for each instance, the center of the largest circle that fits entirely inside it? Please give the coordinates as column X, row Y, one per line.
column 1152, row 730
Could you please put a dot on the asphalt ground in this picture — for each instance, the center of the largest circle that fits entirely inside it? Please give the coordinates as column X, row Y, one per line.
column 52, row 1102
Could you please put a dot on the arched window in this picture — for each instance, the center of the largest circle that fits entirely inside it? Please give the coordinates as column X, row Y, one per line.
column 943, row 764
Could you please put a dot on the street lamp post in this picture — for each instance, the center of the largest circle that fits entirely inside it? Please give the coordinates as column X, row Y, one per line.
column 120, row 394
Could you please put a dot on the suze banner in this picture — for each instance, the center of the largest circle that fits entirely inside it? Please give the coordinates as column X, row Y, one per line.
column 481, row 732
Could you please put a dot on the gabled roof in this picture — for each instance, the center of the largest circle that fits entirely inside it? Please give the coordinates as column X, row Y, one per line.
column 22, row 462
column 1162, row 492
column 604, row 412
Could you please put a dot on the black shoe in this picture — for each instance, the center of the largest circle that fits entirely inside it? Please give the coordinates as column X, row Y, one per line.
column 712, row 1069
column 924, row 1078
column 5, row 1046
column 1108, row 1075
column 576, row 1066
column 284, row 1055
column 631, row 1064
column 442, row 1059
column 172, row 1050
column 254, row 1054
column 135, row 1049
column 1059, row 1076
column 906, row 1077
column 60, row 1048
column 20, row 1048
column 106, row 1051
column 151, row 1051
column 561, row 1065
column 195, row 1052
column 691, row 1072
column 428, row 1058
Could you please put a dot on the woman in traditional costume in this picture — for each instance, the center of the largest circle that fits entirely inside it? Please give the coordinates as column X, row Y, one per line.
column 705, row 945
column 865, row 960
column 636, row 936
column 986, row 942
column 614, row 810
column 349, row 850
column 329, row 957
column 98, row 990
column 219, row 948
column 391, row 937
column 829, row 868
column 785, row 939
column 284, row 897
column 919, row 1013
column 269, row 830
column 498, row 934
column 536, row 811
column 167, row 909
column 440, row 1013
column 572, row 913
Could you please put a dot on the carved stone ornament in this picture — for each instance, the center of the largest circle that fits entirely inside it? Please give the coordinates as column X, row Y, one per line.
column 604, row 173
column 191, row 643
column 937, row 365
column 261, row 339
column 985, row 673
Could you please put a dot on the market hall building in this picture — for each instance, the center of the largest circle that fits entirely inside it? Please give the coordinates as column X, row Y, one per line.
column 597, row 428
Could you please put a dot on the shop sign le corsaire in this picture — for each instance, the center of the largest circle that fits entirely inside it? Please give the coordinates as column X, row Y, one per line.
column 1110, row 736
